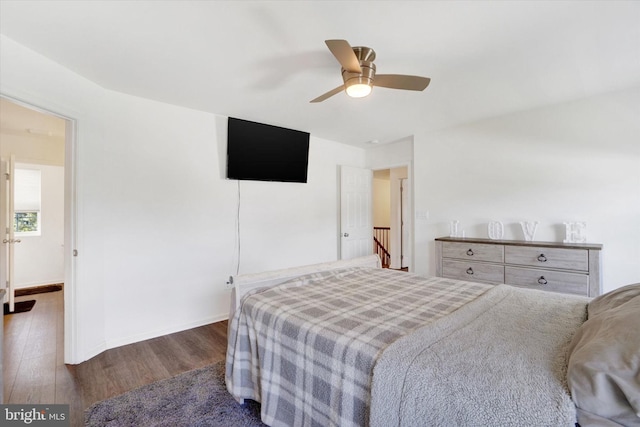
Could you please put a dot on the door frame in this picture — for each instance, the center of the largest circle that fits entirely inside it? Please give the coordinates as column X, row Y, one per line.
column 7, row 253
column 70, row 219
column 405, row 222
column 409, row 207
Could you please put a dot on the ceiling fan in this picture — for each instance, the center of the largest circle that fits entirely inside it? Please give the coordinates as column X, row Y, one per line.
column 359, row 72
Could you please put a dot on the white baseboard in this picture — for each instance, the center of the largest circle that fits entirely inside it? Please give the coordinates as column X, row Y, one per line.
column 89, row 354
column 36, row 284
column 165, row 331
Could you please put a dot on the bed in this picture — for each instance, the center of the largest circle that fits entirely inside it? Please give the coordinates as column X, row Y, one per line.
column 352, row 344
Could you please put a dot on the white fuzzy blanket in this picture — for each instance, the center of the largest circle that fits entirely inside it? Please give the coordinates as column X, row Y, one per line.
column 500, row 360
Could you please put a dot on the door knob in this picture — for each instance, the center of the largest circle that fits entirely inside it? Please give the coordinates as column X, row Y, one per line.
column 346, row 234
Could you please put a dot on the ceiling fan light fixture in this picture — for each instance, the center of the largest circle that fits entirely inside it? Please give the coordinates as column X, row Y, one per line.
column 359, row 85
column 358, row 89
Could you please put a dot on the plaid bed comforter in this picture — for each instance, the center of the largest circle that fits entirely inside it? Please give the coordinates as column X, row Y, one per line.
column 306, row 349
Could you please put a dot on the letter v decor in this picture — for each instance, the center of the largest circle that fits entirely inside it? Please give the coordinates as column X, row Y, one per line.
column 529, row 229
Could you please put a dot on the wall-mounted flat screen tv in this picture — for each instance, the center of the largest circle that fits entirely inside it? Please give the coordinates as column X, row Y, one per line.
column 260, row 152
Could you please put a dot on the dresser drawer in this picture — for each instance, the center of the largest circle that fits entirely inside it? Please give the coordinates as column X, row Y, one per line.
column 574, row 268
column 555, row 281
column 568, row 259
column 473, row 251
column 472, row 271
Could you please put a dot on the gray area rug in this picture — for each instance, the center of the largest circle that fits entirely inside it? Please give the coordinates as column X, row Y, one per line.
column 195, row 398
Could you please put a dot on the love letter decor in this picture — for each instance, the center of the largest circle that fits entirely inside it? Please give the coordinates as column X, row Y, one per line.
column 495, row 229
column 454, row 232
column 575, row 232
column 453, row 228
column 529, row 229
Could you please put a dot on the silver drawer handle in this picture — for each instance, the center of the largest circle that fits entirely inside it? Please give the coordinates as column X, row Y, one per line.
column 542, row 280
column 470, row 252
column 469, row 270
column 542, row 258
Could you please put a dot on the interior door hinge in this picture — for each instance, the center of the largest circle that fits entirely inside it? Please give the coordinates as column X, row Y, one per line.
column 75, row 252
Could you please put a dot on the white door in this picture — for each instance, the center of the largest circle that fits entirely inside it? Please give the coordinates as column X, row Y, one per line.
column 356, row 212
column 7, row 191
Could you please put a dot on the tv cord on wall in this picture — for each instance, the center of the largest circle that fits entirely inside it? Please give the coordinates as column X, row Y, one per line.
column 238, row 231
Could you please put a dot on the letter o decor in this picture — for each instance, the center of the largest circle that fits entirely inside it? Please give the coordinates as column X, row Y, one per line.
column 495, row 229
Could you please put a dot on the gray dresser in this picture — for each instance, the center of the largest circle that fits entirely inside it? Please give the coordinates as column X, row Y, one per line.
column 573, row 268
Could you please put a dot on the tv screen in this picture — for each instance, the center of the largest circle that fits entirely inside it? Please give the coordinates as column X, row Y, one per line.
column 260, row 152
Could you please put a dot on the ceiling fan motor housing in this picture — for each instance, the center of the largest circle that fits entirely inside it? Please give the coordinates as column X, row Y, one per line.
column 365, row 77
column 364, row 53
column 365, row 56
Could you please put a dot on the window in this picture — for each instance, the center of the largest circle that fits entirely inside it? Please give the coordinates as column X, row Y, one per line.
column 26, row 222
column 27, row 202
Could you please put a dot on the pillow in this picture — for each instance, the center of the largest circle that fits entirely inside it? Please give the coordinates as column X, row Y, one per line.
column 603, row 371
column 613, row 299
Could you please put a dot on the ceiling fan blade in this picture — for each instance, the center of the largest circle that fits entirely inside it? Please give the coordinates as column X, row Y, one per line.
column 328, row 94
column 343, row 52
column 401, row 81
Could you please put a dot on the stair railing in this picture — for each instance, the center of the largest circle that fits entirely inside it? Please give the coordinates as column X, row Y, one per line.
column 381, row 243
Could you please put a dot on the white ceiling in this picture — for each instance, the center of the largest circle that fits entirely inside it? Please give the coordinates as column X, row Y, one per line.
column 265, row 60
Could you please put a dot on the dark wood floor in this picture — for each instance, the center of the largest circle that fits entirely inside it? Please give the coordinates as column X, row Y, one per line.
column 34, row 371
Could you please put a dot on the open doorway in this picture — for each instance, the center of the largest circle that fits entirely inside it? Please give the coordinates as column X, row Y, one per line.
column 33, row 206
column 36, row 141
column 391, row 217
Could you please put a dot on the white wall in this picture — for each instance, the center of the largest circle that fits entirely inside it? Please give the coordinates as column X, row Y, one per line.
column 578, row 161
column 387, row 156
column 156, row 219
column 381, row 202
column 39, row 260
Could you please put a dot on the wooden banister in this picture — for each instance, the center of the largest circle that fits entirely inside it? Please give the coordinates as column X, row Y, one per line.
column 381, row 243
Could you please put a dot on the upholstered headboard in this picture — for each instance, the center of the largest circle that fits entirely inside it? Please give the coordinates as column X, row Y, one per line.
column 245, row 282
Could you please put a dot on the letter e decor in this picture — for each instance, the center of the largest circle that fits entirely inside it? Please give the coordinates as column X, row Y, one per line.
column 575, row 232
